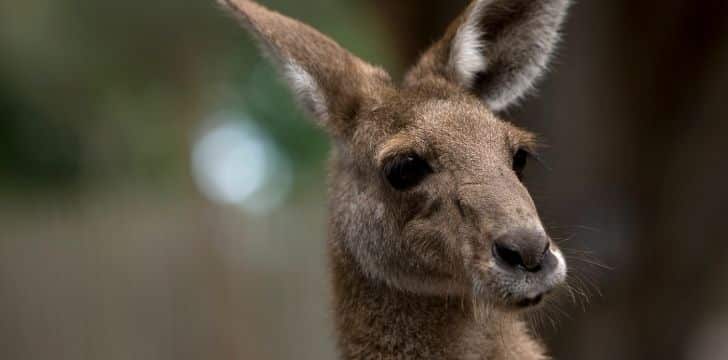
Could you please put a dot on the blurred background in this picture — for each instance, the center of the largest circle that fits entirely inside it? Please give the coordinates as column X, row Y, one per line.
column 161, row 197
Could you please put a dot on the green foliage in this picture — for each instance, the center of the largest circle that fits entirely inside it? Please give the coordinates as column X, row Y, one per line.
column 100, row 91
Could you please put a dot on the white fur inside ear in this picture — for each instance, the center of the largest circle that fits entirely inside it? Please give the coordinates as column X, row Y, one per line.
column 307, row 90
column 466, row 56
column 522, row 48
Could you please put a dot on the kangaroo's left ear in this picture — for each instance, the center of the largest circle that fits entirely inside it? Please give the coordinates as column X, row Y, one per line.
column 496, row 49
column 331, row 83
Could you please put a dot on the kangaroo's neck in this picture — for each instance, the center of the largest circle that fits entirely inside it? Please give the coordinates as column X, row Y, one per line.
column 375, row 321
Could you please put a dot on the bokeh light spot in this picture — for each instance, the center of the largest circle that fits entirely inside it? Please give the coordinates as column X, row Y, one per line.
column 236, row 163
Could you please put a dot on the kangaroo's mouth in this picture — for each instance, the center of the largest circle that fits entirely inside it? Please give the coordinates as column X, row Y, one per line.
column 530, row 302
column 520, row 302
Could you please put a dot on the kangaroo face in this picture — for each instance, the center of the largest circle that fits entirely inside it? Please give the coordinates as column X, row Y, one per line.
column 426, row 191
column 447, row 211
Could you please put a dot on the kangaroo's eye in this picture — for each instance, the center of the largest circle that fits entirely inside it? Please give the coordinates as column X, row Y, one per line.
column 520, row 158
column 406, row 171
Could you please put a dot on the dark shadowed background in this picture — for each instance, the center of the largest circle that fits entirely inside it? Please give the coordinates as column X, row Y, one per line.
column 161, row 197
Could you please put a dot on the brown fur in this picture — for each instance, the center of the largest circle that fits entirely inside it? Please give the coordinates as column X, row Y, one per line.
column 413, row 271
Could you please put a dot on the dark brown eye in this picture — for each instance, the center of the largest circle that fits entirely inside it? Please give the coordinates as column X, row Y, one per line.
column 406, row 171
column 520, row 158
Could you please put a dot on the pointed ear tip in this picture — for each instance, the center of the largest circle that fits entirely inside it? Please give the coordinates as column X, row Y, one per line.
column 246, row 12
column 228, row 6
column 225, row 4
column 237, row 6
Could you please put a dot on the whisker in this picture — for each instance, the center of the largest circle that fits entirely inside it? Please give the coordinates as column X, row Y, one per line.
column 564, row 240
column 591, row 284
column 583, row 294
column 590, row 262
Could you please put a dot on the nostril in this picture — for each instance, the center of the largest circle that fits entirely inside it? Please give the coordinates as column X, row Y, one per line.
column 522, row 249
column 534, row 268
column 509, row 256
column 514, row 258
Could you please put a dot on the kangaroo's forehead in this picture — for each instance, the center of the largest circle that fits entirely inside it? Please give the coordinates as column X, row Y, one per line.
column 446, row 125
column 455, row 121
column 452, row 114
column 457, row 130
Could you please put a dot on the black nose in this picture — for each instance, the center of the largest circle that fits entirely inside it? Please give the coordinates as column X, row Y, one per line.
column 524, row 249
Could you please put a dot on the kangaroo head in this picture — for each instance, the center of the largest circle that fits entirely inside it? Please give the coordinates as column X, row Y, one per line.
column 426, row 191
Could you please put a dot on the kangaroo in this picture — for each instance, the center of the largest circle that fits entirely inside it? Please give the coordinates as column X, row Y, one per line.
column 435, row 245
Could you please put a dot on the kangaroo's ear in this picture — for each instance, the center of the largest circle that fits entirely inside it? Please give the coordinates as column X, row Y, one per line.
column 497, row 48
column 327, row 80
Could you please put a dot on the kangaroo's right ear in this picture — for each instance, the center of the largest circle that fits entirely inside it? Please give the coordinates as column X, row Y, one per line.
column 327, row 80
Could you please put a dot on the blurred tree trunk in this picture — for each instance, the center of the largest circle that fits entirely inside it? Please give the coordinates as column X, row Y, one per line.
column 417, row 24
column 635, row 109
column 673, row 70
